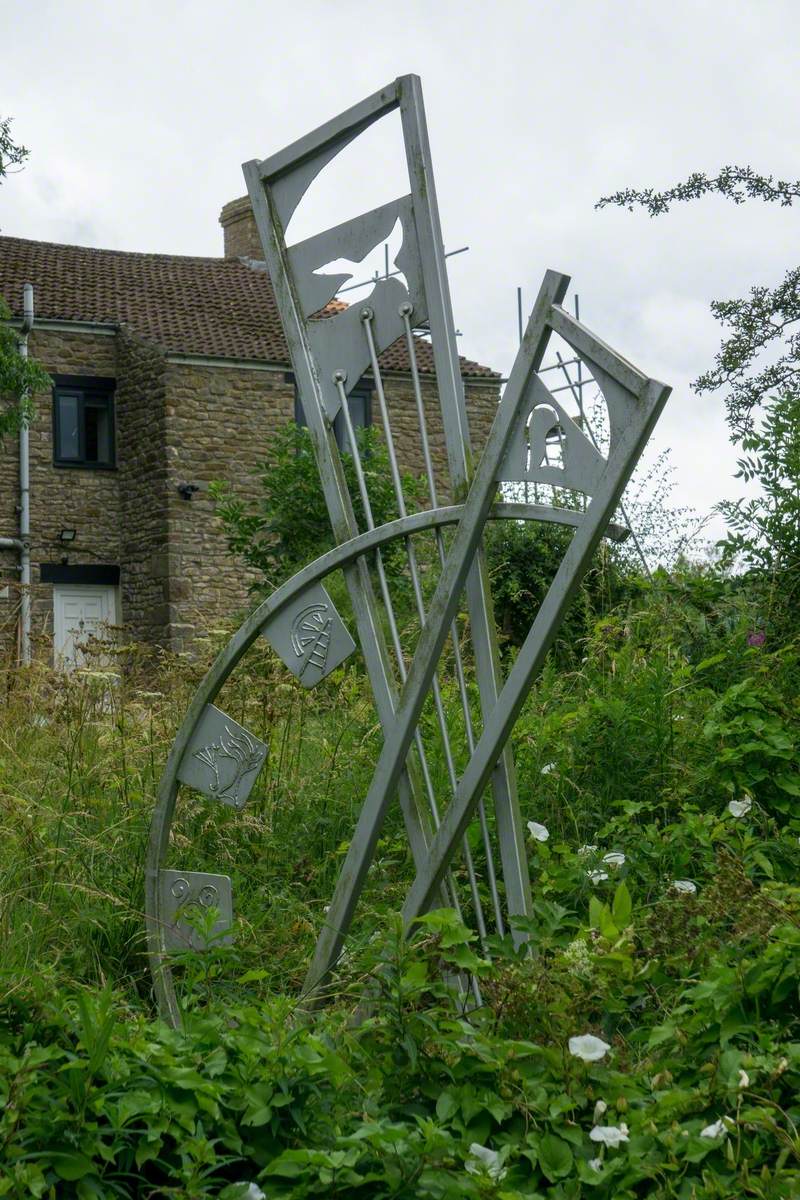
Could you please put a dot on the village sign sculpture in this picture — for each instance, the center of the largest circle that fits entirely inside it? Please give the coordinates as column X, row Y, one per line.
column 212, row 753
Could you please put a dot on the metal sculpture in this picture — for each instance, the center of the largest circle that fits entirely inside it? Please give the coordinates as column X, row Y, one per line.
column 533, row 440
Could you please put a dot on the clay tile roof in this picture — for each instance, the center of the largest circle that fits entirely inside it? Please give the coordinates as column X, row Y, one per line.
column 212, row 307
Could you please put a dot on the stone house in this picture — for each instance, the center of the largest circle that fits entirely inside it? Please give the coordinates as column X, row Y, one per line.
column 169, row 372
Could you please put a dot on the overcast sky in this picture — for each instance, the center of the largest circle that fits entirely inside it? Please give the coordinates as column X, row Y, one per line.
column 138, row 117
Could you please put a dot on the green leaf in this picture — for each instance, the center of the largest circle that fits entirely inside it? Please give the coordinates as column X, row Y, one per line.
column 555, row 1157
column 70, row 1164
column 623, row 906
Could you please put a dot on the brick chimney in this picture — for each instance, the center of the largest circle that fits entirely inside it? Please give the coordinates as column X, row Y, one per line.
column 239, row 230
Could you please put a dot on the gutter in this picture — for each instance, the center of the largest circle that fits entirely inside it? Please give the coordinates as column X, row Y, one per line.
column 24, row 540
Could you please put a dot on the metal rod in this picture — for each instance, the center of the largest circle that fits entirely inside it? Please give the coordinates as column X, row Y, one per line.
column 519, row 312
column 367, row 316
column 405, row 312
column 339, row 379
column 590, row 431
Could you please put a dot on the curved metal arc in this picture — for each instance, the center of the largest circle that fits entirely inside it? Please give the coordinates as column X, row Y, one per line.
column 228, row 658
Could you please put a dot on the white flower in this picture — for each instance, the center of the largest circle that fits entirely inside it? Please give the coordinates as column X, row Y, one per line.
column 610, row 1135
column 588, row 1047
column 685, row 886
column 584, row 850
column 615, row 858
column 540, row 832
column 740, row 808
column 548, row 768
column 744, row 1079
column 718, row 1129
column 596, row 1164
column 597, row 876
column 599, row 1109
column 484, row 1159
column 252, row 1192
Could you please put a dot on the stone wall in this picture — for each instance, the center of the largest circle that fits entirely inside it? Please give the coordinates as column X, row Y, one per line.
column 176, row 423
column 219, row 422
column 142, row 454
column 61, row 497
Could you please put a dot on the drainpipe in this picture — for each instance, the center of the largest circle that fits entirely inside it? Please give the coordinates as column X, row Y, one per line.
column 25, row 499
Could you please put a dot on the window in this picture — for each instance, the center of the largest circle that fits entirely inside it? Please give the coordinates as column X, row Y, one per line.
column 83, row 422
column 360, row 401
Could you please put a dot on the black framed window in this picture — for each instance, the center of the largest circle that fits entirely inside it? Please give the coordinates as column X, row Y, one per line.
column 83, row 422
column 360, row 402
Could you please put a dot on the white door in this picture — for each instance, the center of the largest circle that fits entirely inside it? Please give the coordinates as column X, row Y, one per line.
column 82, row 614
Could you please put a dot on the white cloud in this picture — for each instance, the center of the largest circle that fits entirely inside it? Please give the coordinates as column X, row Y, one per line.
column 139, row 117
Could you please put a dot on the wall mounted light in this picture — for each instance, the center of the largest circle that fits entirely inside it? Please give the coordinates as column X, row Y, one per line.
column 187, row 490
column 67, row 535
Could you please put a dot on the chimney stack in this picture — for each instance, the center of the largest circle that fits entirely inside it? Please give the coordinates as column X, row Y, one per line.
column 239, row 231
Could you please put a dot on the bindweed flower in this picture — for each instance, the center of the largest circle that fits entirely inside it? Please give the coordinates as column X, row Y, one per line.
column 548, row 768
column 597, row 876
column 740, row 808
column 615, row 858
column 610, row 1135
column 744, row 1079
column 684, row 886
column 596, row 1164
column 599, row 1109
column 539, row 833
column 584, row 851
column 484, row 1159
column 718, row 1129
column 588, row 1047
column 251, row 1192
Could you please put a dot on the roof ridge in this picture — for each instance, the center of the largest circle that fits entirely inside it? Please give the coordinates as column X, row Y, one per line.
column 210, row 258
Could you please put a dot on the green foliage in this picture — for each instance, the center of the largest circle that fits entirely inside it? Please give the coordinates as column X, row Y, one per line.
column 759, row 365
column 765, row 529
column 666, row 923
column 522, row 558
column 19, row 378
column 767, row 318
column 12, row 154
column 289, row 525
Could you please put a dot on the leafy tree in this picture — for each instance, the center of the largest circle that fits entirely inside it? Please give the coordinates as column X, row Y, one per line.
column 769, row 318
column 11, row 154
column 19, row 377
column 288, row 525
column 758, row 365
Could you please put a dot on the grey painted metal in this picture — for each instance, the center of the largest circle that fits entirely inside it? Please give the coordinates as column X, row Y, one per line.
column 311, row 637
column 440, row 615
column 587, row 425
column 275, row 188
column 222, row 759
column 287, row 596
column 190, row 894
column 459, row 454
column 367, row 317
column 329, row 355
column 634, row 403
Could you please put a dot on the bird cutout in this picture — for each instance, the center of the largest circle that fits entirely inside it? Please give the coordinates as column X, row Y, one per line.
column 372, row 266
column 238, row 748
